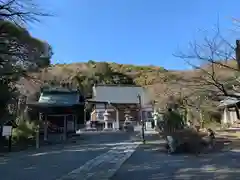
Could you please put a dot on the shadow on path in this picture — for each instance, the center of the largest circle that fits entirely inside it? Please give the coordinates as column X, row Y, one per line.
column 150, row 162
column 54, row 162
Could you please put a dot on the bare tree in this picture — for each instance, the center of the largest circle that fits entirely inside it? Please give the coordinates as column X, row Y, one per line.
column 213, row 61
column 21, row 12
column 187, row 103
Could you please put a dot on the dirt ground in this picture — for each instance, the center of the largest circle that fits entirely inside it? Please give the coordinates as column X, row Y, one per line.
column 226, row 140
column 230, row 139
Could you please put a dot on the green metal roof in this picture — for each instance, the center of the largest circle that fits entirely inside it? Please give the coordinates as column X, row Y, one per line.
column 59, row 96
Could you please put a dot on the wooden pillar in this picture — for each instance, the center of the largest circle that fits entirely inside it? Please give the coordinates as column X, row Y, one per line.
column 228, row 116
column 234, row 116
column 117, row 118
column 105, row 106
column 237, row 51
column 225, row 119
column 65, row 128
column 38, row 131
column 75, row 122
column 85, row 116
column 85, row 113
column 37, row 137
column 105, row 121
column 45, row 128
column 231, row 117
column 237, row 112
column 201, row 119
column 140, row 117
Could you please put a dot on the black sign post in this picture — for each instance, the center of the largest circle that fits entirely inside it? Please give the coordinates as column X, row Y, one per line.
column 9, row 125
column 141, row 119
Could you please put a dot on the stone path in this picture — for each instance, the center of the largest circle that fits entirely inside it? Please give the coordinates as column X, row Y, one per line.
column 103, row 166
column 118, row 156
column 97, row 158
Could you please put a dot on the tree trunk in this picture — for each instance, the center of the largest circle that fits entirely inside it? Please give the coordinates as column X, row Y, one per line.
column 201, row 120
column 237, row 51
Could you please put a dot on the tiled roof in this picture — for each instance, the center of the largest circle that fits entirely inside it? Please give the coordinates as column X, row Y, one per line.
column 60, row 90
column 120, row 94
column 228, row 101
column 59, row 97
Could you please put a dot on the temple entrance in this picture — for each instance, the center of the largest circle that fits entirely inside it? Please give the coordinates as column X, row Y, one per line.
column 56, row 123
column 60, row 112
column 58, row 126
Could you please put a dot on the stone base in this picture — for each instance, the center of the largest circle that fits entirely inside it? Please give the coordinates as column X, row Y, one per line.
column 108, row 129
column 91, row 129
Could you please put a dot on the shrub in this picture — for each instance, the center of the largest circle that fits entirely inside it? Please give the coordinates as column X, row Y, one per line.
column 25, row 130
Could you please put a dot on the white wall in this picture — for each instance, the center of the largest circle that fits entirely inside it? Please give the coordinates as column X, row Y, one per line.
column 147, row 108
column 100, row 107
column 229, row 116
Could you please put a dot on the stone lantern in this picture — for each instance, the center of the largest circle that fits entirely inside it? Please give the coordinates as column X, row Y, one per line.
column 106, row 118
column 127, row 117
column 156, row 117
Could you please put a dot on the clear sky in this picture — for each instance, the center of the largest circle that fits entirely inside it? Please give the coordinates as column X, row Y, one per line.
column 139, row 32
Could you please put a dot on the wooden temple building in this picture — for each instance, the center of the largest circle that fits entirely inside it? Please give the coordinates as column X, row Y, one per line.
column 119, row 102
column 229, row 107
column 61, row 111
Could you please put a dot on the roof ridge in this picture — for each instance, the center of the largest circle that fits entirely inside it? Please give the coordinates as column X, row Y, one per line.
column 118, row 85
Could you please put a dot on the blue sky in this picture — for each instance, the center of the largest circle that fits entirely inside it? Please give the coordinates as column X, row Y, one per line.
column 139, row 32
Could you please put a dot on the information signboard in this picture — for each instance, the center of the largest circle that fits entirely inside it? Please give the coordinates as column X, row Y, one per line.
column 7, row 131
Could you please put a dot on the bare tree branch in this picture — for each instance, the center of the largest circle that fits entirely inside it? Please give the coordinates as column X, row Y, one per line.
column 213, row 54
column 21, row 12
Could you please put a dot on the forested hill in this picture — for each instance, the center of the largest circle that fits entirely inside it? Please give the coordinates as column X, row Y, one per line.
column 164, row 85
column 86, row 74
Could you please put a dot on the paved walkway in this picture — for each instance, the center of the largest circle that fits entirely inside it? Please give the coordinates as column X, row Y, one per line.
column 99, row 158
column 118, row 156
column 103, row 166
column 149, row 162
